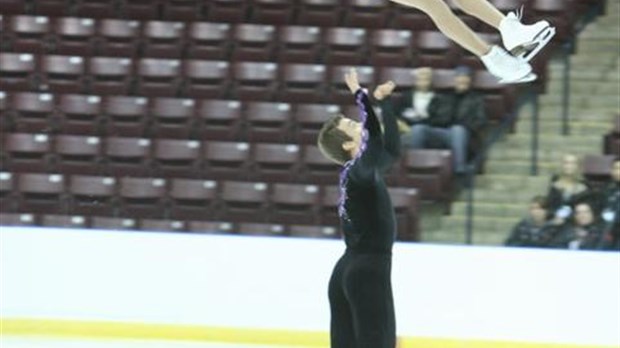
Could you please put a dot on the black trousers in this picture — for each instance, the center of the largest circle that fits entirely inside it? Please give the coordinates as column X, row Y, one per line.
column 361, row 301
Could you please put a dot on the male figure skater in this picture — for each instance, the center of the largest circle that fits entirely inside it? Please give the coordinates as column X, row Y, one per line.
column 360, row 290
column 524, row 41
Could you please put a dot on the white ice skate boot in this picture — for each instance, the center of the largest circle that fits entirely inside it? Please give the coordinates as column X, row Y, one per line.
column 506, row 68
column 524, row 41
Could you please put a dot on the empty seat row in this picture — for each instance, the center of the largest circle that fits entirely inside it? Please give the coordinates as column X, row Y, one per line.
column 430, row 170
column 180, row 199
column 181, row 118
column 158, row 225
column 266, row 81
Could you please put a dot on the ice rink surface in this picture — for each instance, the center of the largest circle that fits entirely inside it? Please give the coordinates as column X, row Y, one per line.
column 30, row 342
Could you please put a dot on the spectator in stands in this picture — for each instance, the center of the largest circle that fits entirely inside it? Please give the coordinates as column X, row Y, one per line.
column 454, row 119
column 567, row 188
column 609, row 202
column 535, row 230
column 586, row 232
column 412, row 108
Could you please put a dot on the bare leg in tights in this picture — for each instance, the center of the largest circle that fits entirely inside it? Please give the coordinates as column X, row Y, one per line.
column 453, row 27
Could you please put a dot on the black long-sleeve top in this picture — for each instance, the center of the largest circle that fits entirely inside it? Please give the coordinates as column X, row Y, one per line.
column 369, row 223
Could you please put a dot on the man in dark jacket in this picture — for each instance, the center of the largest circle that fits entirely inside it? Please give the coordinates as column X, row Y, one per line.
column 455, row 119
column 534, row 231
column 609, row 202
column 586, row 232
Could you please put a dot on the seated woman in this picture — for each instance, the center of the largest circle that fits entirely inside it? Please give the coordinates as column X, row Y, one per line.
column 585, row 232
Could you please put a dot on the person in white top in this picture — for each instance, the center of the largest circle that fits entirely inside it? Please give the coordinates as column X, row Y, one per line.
column 521, row 40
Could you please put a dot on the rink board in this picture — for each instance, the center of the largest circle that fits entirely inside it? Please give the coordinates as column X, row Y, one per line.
column 273, row 291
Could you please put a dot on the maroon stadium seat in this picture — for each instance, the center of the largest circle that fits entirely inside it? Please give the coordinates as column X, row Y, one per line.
column 303, row 83
column 299, row 44
column 17, row 219
column 405, row 202
column 140, row 9
column 64, row 221
column 163, row 39
column 17, row 71
column 268, row 121
column 443, row 79
column 230, row 11
column 254, row 42
column 142, row 197
column 206, row 79
column 295, row 203
column 74, row 36
column 173, row 118
column 177, row 158
column 80, row 114
column 260, row 229
column 217, row 227
column 208, row 40
column 8, row 183
column 273, row 12
column 192, row 199
column 34, row 111
column 367, row 13
column 126, row 116
column 27, row 151
column 113, row 223
column 109, row 75
column 219, row 119
column 52, row 8
column 323, row 13
column 345, row 45
column 391, row 47
column 127, row 156
column 404, row 78
column 182, row 10
column 78, row 154
column 226, row 160
column 429, row 171
column 13, row 7
column 276, row 162
column 92, row 195
column 244, row 201
column 255, row 81
column 158, row 77
column 313, row 231
column 339, row 92
column 62, row 74
column 318, row 168
column 42, row 193
column 309, row 119
column 162, row 225
column 30, row 33
column 434, row 49
column 95, row 8
column 118, row 37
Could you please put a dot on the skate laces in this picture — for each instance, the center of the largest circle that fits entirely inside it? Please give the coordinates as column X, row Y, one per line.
column 519, row 13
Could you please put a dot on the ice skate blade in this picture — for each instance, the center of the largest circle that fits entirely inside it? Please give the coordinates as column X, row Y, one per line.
column 529, row 50
column 528, row 78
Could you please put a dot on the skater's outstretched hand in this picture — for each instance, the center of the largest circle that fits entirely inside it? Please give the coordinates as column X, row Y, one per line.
column 384, row 90
column 351, row 80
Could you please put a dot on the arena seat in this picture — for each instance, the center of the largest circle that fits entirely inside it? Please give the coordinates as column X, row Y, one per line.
column 391, row 47
column 244, row 201
column 272, row 12
column 255, row 81
column 208, row 41
column 299, row 44
column 118, row 37
column 367, row 13
column 219, row 119
column 192, row 198
column 126, row 115
column 217, row 227
column 173, row 118
column 309, row 119
column 260, row 229
column 405, row 202
column 430, row 171
column 17, row 219
column 268, row 121
column 79, row 114
column 113, row 223
column 303, row 83
column 322, row 13
column 230, row 11
column 13, row 7
column 64, row 221
column 345, row 45
column 434, row 49
column 317, row 168
column 162, row 225
column 275, row 162
column 253, row 42
column 177, row 158
column 95, row 8
column 227, row 160
column 62, row 74
column 77, row 154
column 313, row 231
column 158, row 77
column 142, row 197
column 404, row 78
column 206, row 79
column 92, row 195
column 25, row 151
column 41, row 193
column 17, row 71
column 163, row 39
column 107, row 75
column 33, row 112
column 74, row 36
column 182, row 10
column 127, row 156
column 295, row 203
column 29, row 33
column 8, row 183
column 139, row 9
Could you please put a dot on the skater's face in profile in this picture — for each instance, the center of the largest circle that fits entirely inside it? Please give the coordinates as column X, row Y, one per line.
column 583, row 215
column 570, row 165
column 538, row 213
column 354, row 130
column 615, row 171
column 462, row 83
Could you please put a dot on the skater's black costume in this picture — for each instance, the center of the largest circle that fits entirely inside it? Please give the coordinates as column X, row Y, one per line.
column 360, row 291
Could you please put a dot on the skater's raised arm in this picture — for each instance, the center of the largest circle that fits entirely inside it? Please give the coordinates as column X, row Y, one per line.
column 391, row 136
